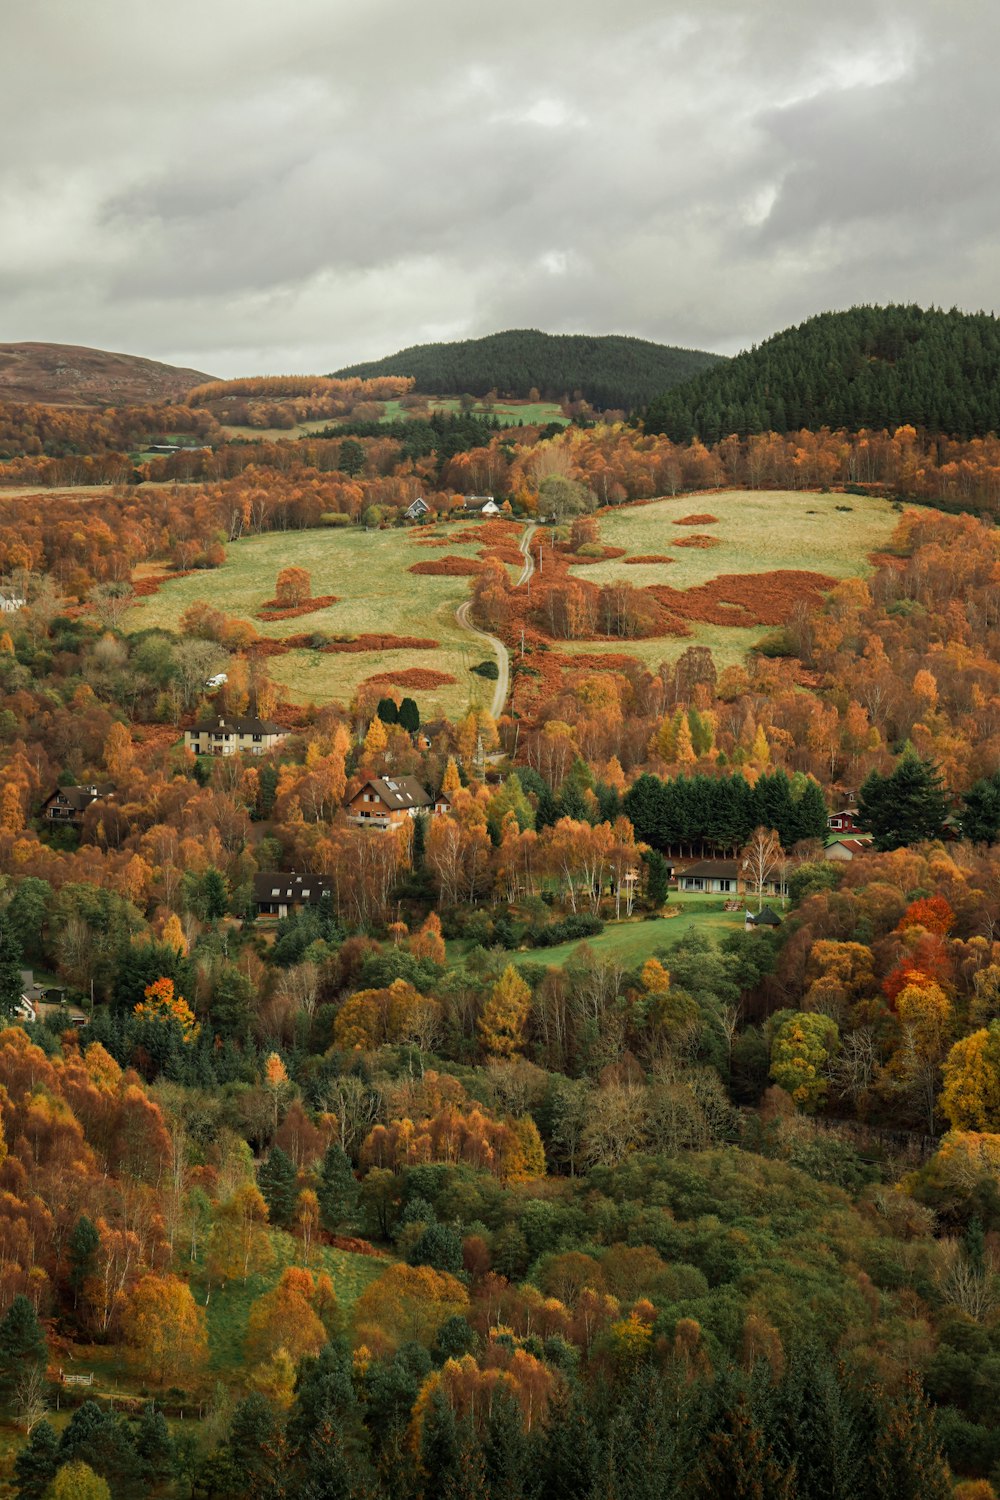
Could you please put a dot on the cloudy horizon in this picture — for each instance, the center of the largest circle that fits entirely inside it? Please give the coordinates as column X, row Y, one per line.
column 244, row 188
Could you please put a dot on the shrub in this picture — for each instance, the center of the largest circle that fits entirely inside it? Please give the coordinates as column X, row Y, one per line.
column 487, row 669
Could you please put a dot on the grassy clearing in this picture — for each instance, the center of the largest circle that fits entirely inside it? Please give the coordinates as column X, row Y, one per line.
column 633, row 942
column 509, row 412
column 759, row 531
column 367, row 571
column 229, row 1306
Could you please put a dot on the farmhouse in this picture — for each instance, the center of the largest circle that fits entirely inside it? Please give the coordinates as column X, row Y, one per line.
column 67, row 804
column 224, row 736
column 417, row 509
column 387, row 802
column 724, row 877
column 275, row 893
column 480, row 505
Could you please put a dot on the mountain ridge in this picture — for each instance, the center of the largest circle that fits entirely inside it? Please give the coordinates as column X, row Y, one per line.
column 77, row 375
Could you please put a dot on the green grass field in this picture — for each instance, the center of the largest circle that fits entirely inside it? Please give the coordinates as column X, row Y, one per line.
column 229, row 1306
column 759, row 531
column 367, row 571
column 509, row 412
column 632, row 942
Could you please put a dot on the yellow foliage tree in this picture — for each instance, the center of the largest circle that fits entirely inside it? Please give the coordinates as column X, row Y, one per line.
column 524, row 1157
column 451, row 782
column 172, row 934
column 118, row 751
column 376, row 741
column 971, row 1094
column 408, row 1302
column 501, row 1025
column 77, row 1481
column 284, row 1318
column 165, row 1330
column 161, row 1004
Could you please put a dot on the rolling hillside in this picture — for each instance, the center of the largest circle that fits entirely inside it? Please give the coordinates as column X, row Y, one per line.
column 69, row 375
column 610, row 371
column 869, row 367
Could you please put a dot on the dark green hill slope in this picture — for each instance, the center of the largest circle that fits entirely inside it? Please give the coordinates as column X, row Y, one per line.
column 610, row 371
column 869, row 367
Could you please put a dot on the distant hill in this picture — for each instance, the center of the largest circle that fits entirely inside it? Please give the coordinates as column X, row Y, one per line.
column 869, row 367
column 609, row 371
column 67, row 375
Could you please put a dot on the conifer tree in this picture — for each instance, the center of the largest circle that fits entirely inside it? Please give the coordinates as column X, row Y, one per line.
column 337, row 1189
column 277, row 1182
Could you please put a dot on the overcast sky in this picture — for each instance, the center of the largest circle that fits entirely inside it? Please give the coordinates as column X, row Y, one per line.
column 246, row 185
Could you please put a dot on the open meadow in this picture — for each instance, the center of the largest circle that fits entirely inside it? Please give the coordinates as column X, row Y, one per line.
column 751, row 531
column 368, row 573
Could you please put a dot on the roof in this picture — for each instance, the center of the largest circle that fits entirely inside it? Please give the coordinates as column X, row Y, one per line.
column 225, row 725
column 399, row 791
column 80, row 797
column 851, row 846
column 477, row 502
column 278, row 885
column 721, row 869
column 765, row 918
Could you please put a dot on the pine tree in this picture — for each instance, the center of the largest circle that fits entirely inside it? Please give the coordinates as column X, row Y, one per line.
column 10, row 968
column 409, row 716
column 154, row 1447
column 337, row 1189
column 904, row 807
column 387, row 711
column 37, row 1462
column 276, row 1179
column 81, row 1252
column 22, row 1342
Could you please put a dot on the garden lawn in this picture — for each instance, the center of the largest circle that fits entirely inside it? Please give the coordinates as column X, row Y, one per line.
column 632, row 942
column 367, row 571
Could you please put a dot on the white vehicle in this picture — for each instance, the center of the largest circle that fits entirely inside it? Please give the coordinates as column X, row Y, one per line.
column 217, row 680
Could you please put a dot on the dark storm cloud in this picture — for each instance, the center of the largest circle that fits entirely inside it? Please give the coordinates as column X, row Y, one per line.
column 250, row 186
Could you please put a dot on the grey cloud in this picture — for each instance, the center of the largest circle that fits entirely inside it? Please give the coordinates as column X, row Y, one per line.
column 245, row 186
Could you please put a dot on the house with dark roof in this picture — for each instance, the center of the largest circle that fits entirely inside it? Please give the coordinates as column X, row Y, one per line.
column 724, row 877
column 67, row 804
column 387, row 801
column 233, row 736
column 276, row 893
column 418, row 508
column 480, row 505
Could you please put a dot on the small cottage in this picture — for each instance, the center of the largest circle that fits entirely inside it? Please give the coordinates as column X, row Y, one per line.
column 480, row 505
column 418, row 509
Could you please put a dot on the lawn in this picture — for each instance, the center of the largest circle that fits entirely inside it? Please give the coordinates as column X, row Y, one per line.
column 367, row 571
column 632, row 942
column 758, row 531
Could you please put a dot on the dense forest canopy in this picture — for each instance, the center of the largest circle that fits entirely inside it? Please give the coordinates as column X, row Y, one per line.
column 869, row 367
column 611, row 371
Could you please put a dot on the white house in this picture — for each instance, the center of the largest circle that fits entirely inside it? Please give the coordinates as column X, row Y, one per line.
column 10, row 604
column 417, row 509
column 480, row 505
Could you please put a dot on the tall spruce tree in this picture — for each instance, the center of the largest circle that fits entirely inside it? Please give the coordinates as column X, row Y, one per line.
column 276, row 1179
column 904, row 807
column 337, row 1190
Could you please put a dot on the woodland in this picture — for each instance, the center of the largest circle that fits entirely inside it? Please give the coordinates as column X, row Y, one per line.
column 610, row 371
column 505, row 1169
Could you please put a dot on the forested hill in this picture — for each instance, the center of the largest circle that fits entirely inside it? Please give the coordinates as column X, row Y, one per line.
column 610, row 371
column 869, row 367
column 66, row 374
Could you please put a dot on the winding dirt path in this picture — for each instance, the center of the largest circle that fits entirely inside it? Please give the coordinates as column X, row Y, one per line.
column 499, row 649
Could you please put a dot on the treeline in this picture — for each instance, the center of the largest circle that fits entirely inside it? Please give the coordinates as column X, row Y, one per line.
column 716, row 815
column 869, row 367
column 612, row 371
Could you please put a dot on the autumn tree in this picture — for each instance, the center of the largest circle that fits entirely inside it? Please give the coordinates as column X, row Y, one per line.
column 505, row 1014
column 970, row 1097
column 802, row 1047
column 165, row 1330
column 293, row 587
column 763, row 857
